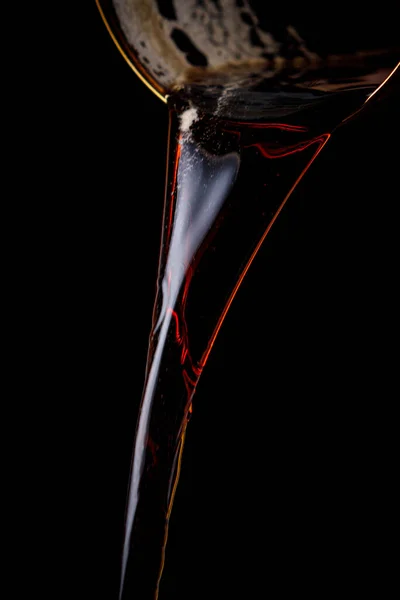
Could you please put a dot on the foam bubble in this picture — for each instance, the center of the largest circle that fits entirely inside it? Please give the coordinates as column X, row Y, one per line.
column 187, row 118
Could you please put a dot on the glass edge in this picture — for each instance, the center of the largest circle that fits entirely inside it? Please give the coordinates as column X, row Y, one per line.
column 128, row 58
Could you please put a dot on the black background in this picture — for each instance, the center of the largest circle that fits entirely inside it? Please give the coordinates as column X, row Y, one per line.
column 288, row 468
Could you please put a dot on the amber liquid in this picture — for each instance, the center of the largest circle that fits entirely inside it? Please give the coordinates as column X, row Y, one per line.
column 227, row 181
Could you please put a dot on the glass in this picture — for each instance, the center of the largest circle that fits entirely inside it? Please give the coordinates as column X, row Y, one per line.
column 293, row 82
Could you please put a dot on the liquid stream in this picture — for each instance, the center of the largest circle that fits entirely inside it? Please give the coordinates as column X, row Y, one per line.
column 230, row 171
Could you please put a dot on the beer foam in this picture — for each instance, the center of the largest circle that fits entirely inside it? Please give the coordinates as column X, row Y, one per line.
column 187, row 118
